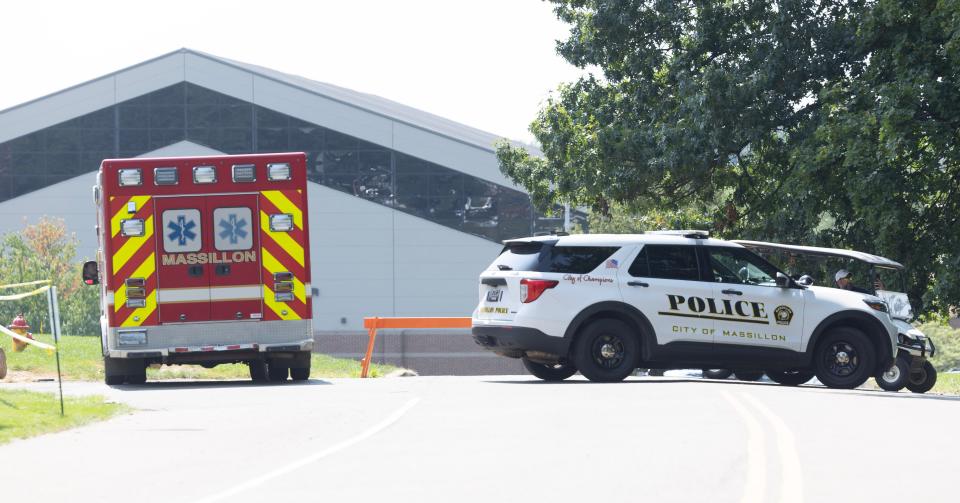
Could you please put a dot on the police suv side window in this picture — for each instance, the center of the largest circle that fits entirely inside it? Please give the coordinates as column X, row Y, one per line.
column 736, row 265
column 666, row 262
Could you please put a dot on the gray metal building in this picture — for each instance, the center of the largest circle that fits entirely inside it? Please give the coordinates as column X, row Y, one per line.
column 406, row 207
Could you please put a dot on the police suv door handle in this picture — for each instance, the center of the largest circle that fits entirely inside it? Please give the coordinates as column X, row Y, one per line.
column 637, row 283
column 730, row 291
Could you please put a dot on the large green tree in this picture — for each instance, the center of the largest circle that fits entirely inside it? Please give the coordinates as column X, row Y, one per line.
column 818, row 122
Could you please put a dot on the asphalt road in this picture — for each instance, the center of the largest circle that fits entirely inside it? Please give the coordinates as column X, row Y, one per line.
column 448, row 439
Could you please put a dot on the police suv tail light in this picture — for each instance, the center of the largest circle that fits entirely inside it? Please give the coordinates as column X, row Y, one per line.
column 131, row 176
column 282, row 222
column 165, row 176
column 877, row 305
column 244, row 173
column 131, row 227
column 278, row 171
column 204, row 174
column 531, row 289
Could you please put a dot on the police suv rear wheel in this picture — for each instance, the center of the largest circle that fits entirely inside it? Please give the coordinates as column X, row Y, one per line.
column 790, row 377
column 606, row 351
column 845, row 358
column 923, row 380
column 555, row 372
column 896, row 377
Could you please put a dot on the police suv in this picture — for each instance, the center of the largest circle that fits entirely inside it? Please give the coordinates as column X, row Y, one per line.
column 605, row 305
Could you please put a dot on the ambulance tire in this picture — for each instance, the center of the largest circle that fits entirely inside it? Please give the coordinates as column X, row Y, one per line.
column 606, row 350
column 300, row 368
column 114, row 371
column 923, row 381
column 790, row 377
column 136, row 372
column 844, row 358
column 717, row 373
column 258, row 370
column 277, row 372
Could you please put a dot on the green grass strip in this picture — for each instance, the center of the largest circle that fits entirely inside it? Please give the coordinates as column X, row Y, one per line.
column 25, row 414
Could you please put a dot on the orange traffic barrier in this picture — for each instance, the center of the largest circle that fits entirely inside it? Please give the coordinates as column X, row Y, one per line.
column 373, row 324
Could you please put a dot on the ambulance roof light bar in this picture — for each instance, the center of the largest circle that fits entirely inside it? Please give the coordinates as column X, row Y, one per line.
column 244, row 173
column 204, row 174
column 165, row 176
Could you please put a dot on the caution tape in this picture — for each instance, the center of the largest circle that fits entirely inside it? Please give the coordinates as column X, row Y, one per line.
column 41, row 345
column 19, row 296
column 29, row 283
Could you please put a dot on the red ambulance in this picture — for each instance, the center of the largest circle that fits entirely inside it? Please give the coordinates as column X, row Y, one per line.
column 204, row 260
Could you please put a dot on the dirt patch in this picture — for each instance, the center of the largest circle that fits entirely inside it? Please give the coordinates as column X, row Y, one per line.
column 22, row 376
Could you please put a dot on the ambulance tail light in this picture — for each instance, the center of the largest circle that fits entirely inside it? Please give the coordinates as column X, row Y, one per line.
column 165, row 176
column 204, row 174
column 283, row 296
column 283, row 287
column 136, row 292
column 131, row 227
column 532, row 289
column 282, row 276
column 244, row 173
column 282, row 222
column 130, row 177
column 277, row 171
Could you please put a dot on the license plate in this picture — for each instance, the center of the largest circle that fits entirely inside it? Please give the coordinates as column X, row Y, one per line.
column 494, row 295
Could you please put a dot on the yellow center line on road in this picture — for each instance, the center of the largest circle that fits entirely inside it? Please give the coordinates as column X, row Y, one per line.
column 254, row 482
column 791, row 478
column 755, row 487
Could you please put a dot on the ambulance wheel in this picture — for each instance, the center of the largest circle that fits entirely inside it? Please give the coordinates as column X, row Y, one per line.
column 606, row 351
column 923, row 380
column 717, row 373
column 258, row 370
column 300, row 367
column 300, row 374
column 747, row 375
column 114, row 371
column 556, row 372
column 896, row 377
column 790, row 377
column 845, row 358
column 277, row 372
column 136, row 372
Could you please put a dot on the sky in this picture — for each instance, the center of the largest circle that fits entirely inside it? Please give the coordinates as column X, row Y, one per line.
column 488, row 64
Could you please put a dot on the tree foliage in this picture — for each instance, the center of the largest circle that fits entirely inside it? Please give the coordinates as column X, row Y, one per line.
column 809, row 121
column 45, row 251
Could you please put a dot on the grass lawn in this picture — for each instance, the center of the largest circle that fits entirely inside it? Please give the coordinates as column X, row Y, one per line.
column 26, row 414
column 80, row 360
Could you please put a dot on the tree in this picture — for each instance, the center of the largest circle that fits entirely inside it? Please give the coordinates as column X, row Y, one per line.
column 816, row 122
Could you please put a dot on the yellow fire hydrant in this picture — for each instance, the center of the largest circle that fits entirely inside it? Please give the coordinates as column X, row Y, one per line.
column 19, row 326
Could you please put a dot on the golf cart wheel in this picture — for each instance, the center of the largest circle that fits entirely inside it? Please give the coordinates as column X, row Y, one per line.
column 922, row 380
column 606, row 351
column 717, row 373
column 790, row 377
column 896, row 377
column 258, row 370
column 844, row 359
column 747, row 375
column 556, row 372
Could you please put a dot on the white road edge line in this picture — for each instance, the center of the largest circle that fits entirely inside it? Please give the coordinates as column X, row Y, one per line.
column 791, row 477
column 755, row 487
column 373, row 430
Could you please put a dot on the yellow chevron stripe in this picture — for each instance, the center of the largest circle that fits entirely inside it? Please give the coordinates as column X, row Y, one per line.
column 142, row 313
column 145, row 270
column 285, row 205
column 273, row 265
column 278, row 307
column 121, row 256
column 282, row 239
column 122, row 214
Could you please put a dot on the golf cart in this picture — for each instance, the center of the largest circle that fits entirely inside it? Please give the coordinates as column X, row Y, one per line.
column 872, row 275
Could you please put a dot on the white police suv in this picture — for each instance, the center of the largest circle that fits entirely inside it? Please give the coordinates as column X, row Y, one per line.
column 608, row 304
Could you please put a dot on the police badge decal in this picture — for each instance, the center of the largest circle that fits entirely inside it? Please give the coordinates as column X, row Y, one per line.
column 783, row 315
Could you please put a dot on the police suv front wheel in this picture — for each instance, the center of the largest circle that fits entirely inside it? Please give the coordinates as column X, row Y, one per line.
column 606, row 351
column 555, row 372
column 844, row 358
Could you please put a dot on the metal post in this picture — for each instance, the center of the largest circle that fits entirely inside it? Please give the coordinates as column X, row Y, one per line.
column 54, row 310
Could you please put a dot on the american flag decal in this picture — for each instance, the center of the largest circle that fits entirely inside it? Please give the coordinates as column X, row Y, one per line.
column 612, row 264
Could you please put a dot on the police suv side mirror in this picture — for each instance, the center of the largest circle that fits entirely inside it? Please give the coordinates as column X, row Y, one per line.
column 805, row 280
column 91, row 273
column 783, row 280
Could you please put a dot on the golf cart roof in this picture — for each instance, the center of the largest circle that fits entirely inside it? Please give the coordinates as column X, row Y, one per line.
column 832, row 252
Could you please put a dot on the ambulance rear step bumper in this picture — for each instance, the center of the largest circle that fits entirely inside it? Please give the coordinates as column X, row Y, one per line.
column 229, row 351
